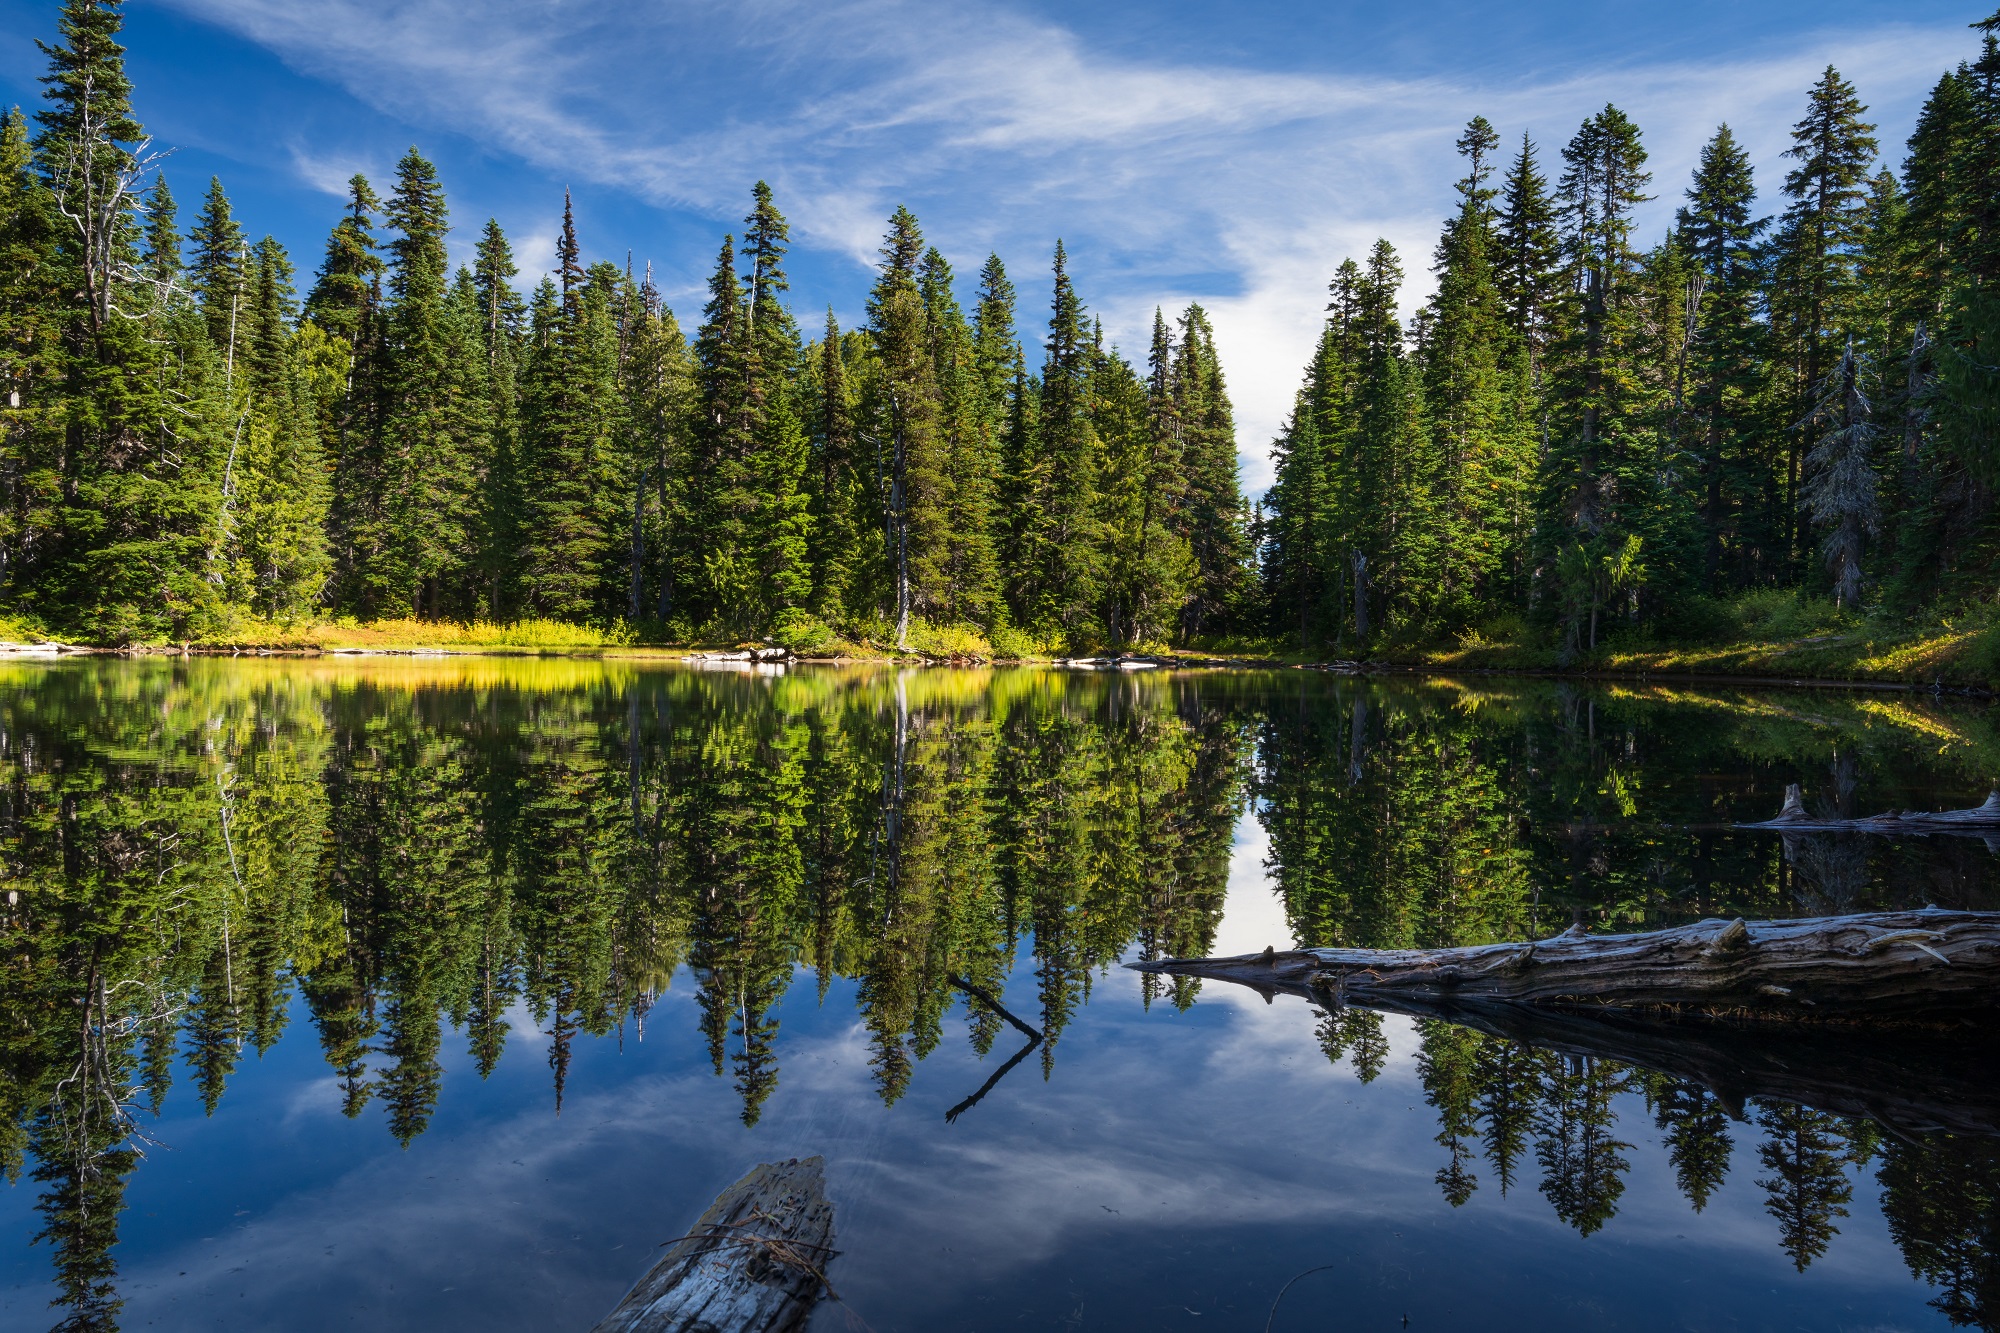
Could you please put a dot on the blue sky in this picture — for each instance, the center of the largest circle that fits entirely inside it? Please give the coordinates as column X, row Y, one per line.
column 1231, row 154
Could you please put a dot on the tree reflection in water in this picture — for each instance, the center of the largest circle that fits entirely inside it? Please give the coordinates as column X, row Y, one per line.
column 413, row 846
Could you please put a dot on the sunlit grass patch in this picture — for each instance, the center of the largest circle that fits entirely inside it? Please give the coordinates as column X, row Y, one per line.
column 417, row 635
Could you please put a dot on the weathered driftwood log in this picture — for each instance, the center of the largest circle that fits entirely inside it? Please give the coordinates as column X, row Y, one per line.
column 1795, row 818
column 1884, row 964
column 754, row 1263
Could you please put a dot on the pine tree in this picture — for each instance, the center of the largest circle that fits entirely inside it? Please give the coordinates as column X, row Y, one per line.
column 781, row 518
column 996, row 360
column 1057, row 573
column 1807, row 1188
column 1373, row 484
column 276, row 488
column 1301, row 536
column 347, row 293
column 1479, row 464
column 968, row 574
column 1149, row 565
column 219, row 273
column 502, row 315
column 415, row 550
column 1839, row 489
column 568, row 455
column 91, row 150
column 1818, row 244
column 904, row 413
column 1209, row 511
column 345, row 303
column 842, row 488
column 163, row 239
column 658, row 387
column 1603, row 181
column 1593, row 378
column 119, row 535
column 1725, row 363
column 1152, row 564
column 1698, row 1143
column 724, row 500
column 1528, row 255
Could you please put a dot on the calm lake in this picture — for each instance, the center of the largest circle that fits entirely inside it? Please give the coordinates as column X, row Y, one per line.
column 437, row 993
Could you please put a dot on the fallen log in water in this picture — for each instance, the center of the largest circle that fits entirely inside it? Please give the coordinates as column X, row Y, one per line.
column 1793, row 817
column 1877, row 964
column 754, row 1263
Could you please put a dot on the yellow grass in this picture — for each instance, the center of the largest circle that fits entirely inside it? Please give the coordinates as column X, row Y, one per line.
column 421, row 635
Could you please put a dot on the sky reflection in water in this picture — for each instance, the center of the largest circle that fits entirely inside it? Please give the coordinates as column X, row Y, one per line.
column 466, row 839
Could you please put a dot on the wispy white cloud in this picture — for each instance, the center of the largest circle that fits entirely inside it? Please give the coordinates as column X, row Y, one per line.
column 328, row 173
column 1173, row 180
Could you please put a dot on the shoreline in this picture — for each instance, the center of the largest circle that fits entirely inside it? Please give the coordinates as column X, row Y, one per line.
column 1676, row 674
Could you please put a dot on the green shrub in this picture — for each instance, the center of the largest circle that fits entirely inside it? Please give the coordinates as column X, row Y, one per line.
column 1775, row 615
column 22, row 629
column 1018, row 645
column 802, row 633
column 1503, row 629
column 948, row 640
column 1694, row 618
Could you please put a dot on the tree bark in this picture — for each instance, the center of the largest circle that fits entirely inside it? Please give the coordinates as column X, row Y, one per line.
column 754, row 1263
column 1880, row 964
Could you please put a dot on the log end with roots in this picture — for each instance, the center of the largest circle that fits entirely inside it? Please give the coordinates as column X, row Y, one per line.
column 755, row 1262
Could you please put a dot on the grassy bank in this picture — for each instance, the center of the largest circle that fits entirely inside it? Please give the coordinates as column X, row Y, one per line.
column 1762, row 635
column 449, row 636
column 556, row 637
column 1771, row 635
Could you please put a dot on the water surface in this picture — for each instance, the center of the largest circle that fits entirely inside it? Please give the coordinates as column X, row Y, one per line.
column 430, row 994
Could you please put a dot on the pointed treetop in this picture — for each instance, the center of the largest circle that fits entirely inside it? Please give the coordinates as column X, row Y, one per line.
column 994, row 285
column 86, row 85
column 1832, row 144
column 1477, row 146
column 765, row 239
column 569, row 268
column 1716, row 221
column 1159, row 361
column 725, row 299
column 163, row 238
column 362, row 204
column 416, row 210
column 903, row 246
column 495, row 256
column 218, row 263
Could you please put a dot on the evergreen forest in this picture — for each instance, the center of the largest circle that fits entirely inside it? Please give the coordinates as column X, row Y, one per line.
column 1792, row 394
column 196, row 434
